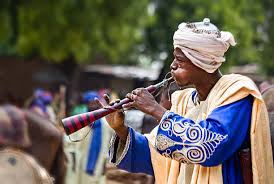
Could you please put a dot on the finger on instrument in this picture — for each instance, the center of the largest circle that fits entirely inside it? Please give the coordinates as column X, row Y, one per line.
column 112, row 103
column 128, row 105
column 100, row 104
column 137, row 91
column 106, row 97
column 128, row 96
column 134, row 97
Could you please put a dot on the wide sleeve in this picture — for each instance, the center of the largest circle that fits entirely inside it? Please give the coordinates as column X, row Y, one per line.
column 208, row 142
column 132, row 155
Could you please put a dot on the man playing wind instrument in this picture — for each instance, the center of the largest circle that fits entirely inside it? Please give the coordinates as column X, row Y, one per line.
column 200, row 139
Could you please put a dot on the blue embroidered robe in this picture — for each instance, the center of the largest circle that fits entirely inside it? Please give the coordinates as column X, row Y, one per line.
column 210, row 142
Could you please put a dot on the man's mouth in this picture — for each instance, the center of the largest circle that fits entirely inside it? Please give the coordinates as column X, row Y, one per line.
column 172, row 74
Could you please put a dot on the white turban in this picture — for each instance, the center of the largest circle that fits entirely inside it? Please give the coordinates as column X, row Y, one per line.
column 203, row 44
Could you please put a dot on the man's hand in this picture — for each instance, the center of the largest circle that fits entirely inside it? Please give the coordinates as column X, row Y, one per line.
column 115, row 119
column 145, row 102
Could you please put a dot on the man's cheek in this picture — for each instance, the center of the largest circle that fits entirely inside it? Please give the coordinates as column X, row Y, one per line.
column 180, row 72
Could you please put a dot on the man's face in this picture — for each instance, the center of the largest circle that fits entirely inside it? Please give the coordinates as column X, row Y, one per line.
column 182, row 69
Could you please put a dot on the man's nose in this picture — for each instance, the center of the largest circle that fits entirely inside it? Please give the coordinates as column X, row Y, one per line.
column 173, row 65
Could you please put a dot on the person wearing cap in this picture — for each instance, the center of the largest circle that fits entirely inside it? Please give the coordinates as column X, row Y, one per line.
column 200, row 139
column 40, row 103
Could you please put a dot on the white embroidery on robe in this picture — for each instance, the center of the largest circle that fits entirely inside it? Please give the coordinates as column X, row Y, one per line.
column 195, row 144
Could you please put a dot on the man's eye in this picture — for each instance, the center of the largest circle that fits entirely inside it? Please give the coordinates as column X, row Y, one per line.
column 181, row 60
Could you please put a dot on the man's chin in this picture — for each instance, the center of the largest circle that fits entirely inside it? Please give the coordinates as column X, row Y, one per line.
column 181, row 84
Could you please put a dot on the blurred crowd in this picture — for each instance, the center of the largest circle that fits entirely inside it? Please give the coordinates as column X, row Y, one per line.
column 82, row 157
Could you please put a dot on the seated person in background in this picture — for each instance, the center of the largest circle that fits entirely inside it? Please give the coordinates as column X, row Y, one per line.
column 40, row 102
column 268, row 96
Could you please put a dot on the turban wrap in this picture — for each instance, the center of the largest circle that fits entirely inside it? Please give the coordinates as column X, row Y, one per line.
column 203, row 44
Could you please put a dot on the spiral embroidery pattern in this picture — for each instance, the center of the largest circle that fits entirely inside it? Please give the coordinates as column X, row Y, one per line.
column 189, row 143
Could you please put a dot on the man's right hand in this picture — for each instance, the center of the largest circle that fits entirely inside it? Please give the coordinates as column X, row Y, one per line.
column 115, row 119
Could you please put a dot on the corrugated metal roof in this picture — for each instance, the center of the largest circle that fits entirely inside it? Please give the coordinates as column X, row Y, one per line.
column 122, row 71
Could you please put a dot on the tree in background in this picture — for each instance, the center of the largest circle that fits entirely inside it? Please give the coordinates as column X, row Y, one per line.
column 123, row 30
column 60, row 29
column 268, row 47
